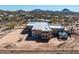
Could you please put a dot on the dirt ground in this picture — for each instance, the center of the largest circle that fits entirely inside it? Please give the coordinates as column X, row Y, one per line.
column 14, row 42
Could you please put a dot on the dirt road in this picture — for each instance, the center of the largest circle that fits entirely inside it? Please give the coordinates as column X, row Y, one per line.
column 11, row 37
column 25, row 46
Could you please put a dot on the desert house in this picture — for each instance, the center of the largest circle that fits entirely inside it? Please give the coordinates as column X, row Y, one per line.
column 42, row 29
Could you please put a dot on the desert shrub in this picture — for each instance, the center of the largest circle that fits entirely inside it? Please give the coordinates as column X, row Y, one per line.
column 22, row 22
column 66, row 24
column 10, row 25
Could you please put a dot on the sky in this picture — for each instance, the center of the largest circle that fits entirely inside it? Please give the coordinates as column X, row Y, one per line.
column 43, row 7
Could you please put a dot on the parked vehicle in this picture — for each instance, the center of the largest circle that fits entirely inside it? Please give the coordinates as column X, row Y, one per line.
column 63, row 35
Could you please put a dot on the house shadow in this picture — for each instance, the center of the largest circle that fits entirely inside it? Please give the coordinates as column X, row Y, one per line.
column 37, row 39
column 25, row 31
column 33, row 38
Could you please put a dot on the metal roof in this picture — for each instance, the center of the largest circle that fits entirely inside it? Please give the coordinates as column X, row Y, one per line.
column 56, row 26
column 44, row 26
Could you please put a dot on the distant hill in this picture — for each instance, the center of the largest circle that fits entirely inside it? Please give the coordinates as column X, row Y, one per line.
column 66, row 10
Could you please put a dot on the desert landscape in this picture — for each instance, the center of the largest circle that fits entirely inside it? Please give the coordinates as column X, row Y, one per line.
column 14, row 42
column 39, row 31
